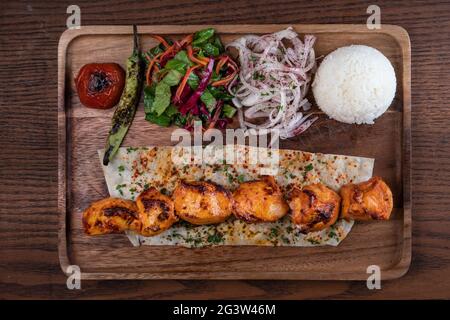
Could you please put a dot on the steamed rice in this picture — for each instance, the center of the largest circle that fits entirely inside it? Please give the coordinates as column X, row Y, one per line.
column 355, row 84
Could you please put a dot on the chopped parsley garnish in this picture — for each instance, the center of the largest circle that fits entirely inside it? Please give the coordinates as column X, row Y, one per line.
column 332, row 234
column 146, row 186
column 131, row 149
column 241, row 178
column 119, row 188
column 258, row 76
column 285, row 240
column 133, row 190
column 121, row 168
column 313, row 241
column 309, row 167
column 215, row 238
column 273, row 233
column 195, row 241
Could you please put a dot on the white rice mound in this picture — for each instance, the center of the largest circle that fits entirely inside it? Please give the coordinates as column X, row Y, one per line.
column 354, row 84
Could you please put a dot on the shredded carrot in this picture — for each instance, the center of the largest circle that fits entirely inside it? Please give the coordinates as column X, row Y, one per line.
column 191, row 56
column 187, row 40
column 184, row 81
column 149, row 68
column 160, row 39
column 223, row 81
column 227, row 79
column 162, row 74
column 173, row 49
column 221, row 63
column 168, row 51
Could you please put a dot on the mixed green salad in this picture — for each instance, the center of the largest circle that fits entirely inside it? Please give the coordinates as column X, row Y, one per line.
column 188, row 81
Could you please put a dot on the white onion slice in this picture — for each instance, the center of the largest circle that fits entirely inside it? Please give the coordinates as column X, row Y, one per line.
column 275, row 73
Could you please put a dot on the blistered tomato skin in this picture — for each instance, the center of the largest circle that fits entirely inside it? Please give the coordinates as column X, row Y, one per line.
column 100, row 85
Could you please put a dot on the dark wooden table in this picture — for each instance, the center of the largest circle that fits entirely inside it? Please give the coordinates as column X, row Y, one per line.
column 29, row 33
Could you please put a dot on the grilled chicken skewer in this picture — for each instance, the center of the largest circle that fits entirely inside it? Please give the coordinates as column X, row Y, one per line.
column 156, row 212
column 202, row 202
column 313, row 207
column 111, row 215
column 259, row 200
column 369, row 200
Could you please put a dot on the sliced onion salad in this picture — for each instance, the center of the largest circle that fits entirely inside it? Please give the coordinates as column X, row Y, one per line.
column 274, row 78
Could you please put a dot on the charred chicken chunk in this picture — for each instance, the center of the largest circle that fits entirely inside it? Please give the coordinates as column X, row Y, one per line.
column 201, row 202
column 314, row 207
column 111, row 215
column 259, row 200
column 156, row 212
column 369, row 200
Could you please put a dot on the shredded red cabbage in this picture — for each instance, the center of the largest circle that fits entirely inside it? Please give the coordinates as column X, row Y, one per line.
column 192, row 101
column 222, row 123
column 204, row 111
column 216, row 115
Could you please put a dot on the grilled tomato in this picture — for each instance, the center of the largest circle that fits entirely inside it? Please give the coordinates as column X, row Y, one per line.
column 99, row 85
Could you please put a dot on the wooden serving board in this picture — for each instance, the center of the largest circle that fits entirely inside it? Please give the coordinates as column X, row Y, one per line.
column 82, row 131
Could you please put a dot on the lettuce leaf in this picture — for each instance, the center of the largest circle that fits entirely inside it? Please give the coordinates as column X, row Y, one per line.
column 162, row 98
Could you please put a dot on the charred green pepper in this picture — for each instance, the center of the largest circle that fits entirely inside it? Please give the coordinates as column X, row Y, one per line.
column 126, row 109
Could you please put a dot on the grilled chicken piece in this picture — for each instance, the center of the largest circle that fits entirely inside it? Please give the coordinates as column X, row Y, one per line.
column 259, row 200
column 200, row 202
column 156, row 212
column 111, row 215
column 369, row 200
column 314, row 207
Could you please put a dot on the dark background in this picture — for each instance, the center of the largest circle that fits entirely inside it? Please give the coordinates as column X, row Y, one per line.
column 29, row 34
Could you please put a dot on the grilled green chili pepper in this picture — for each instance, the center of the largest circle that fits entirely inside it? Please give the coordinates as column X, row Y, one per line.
column 126, row 109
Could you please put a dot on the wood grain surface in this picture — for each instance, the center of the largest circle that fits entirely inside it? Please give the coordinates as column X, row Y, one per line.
column 82, row 132
column 29, row 36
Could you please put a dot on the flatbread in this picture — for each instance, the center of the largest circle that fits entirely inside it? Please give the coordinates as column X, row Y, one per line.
column 135, row 169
